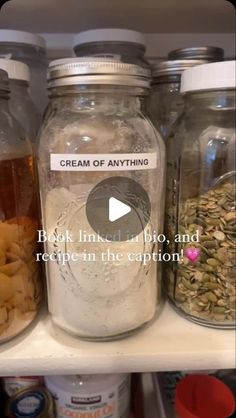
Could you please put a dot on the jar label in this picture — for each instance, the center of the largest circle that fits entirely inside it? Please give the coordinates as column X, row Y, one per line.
column 103, row 162
column 113, row 403
column 28, row 405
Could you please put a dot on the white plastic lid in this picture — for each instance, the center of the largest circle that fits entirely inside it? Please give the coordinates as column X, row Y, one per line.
column 16, row 70
column 109, row 35
column 19, row 37
column 213, row 76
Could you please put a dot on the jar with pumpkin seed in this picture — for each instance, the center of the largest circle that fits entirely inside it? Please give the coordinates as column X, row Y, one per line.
column 200, row 218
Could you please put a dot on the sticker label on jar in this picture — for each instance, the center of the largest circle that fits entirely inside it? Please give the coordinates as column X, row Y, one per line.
column 113, row 403
column 28, row 405
column 103, row 162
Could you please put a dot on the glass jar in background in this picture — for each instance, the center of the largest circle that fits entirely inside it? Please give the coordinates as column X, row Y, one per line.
column 200, row 198
column 206, row 53
column 29, row 48
column 165, row 103
column 96, row 108
column 124, row 45
column 109, row 395
column 21, row 104
column 19, row 271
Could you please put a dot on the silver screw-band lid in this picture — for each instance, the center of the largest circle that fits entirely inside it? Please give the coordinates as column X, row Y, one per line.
column 90, row 70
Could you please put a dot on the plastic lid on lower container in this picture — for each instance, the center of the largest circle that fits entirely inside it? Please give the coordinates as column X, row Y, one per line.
column 203, row 396
column 109, row 35
column 213, row 76
column 20, row 37
column 16, row 70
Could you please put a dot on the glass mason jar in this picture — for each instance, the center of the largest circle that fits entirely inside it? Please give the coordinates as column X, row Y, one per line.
column 165, row 103
column 19, row 271
column 122, row 44
column 96, row 108
column 96, row 395
column 29, row 48
column 206, row 53
column 200, row 201
column 21, row 105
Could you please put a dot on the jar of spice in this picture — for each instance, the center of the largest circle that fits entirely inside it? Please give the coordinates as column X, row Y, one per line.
column 165, row 103
column 29, row 48
column 124, row 45
column 91, row 395
column 95, row 114
column 200, row 200
column 19, row 271
column 21, row 104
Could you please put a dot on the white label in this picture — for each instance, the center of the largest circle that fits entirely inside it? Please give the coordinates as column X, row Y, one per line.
column 103, row 162
column 28, row 405
column 113, row 403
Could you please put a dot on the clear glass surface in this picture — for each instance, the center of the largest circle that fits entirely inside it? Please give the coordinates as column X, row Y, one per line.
column 165, row 104
column 23, row 108
column 35, row 58
column 200, row 202
column 98, row 300
column 19, row 272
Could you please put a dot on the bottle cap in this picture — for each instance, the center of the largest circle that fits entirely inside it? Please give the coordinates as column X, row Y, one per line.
column 213, row 76
column 20, row 37
column 91, row 70
column 177, row 67
column 209, row 53
column 203, row 396
column 16, row 70
column 109, row 35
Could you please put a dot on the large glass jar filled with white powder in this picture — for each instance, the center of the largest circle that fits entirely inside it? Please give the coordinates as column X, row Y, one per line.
column 95, row 136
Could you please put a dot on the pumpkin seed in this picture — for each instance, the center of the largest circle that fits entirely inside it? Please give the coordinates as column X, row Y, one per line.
column 206, row 289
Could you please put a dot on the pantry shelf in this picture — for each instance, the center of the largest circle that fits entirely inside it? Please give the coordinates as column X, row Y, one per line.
column 171, row 343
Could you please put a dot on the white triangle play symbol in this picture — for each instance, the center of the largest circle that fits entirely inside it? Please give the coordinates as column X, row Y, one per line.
column 117, row 209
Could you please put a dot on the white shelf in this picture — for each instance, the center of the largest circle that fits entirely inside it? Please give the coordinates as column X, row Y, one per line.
column 171, row 343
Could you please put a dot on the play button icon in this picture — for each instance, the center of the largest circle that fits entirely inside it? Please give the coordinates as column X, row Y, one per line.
column 118, row 209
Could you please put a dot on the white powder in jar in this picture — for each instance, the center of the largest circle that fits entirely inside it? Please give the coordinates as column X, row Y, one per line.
column 95, row 299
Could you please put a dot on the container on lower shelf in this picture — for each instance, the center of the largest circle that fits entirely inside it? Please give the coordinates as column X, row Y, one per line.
column 86, row 396
column 173, row 392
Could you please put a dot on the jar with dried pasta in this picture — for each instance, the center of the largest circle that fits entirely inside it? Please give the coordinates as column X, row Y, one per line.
column 19, row 270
